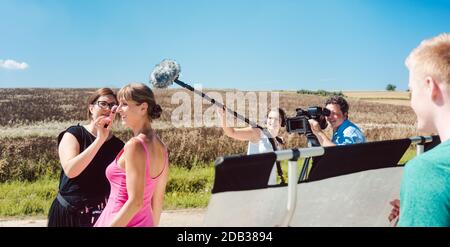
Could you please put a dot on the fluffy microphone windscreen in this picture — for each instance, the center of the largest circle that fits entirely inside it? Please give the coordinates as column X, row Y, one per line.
column 165, row 73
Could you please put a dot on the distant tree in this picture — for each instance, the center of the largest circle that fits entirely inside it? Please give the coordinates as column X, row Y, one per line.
column 391, row 87
column 321, row 92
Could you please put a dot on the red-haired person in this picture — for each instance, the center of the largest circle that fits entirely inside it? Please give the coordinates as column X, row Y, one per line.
column 84, row 152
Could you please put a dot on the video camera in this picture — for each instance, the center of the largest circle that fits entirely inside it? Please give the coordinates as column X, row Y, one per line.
column 299, row 123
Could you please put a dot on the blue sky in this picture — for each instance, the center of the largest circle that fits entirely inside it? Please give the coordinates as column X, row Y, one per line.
column 243, row 44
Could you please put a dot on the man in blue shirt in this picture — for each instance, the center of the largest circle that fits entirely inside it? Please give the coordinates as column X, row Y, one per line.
column 344, row 131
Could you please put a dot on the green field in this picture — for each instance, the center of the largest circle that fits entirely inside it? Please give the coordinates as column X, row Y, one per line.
column 185, row 189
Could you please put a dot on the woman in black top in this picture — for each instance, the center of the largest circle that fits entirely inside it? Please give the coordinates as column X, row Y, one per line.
column 84, row 152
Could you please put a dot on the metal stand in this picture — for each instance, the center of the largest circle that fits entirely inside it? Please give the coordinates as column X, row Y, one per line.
column 420, row 149
column 292, row 188
column 292, row 193
column 420, row 142
column 312, row 142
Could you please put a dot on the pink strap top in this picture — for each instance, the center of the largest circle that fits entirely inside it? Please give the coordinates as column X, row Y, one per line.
column 119, row 195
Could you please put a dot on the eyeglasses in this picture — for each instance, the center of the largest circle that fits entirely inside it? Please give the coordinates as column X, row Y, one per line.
column 105, row 105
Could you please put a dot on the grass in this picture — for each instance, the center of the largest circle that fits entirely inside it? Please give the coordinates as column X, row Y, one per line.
column 20, row 198
column 189, row 188
column 185, row 189
column 53, row 128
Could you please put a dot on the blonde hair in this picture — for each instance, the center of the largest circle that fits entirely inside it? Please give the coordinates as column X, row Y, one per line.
column 432, row 58
column 141, row 93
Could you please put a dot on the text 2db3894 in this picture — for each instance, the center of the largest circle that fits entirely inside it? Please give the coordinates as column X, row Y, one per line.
column 246, row 236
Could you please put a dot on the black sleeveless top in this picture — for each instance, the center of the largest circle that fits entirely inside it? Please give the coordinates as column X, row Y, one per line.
column 91, row 184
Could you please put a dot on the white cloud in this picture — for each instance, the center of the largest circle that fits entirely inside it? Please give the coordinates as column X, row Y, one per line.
column 11, row 64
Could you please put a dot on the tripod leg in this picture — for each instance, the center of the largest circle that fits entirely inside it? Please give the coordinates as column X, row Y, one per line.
column 304, row 171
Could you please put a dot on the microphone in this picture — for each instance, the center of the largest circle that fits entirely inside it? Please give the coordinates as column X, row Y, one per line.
column 167, row 72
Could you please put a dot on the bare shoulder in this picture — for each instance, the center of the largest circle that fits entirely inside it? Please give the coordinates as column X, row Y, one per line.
column 158, row 152
column 159, row 144
column 132, row 143
column 133, row 147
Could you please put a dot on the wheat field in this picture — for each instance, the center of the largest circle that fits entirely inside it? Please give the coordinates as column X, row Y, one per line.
column 384, row 97
column 31, row 119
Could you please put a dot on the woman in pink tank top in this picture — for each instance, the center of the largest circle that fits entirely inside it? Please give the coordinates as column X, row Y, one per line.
column 139, row 174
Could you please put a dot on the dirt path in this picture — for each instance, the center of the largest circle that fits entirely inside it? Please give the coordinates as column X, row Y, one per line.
column 182, row 218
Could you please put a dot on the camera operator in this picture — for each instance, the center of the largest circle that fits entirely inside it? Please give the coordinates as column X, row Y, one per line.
column 344, row 131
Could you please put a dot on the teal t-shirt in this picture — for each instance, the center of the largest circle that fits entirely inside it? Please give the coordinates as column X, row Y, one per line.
column 425, row 189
